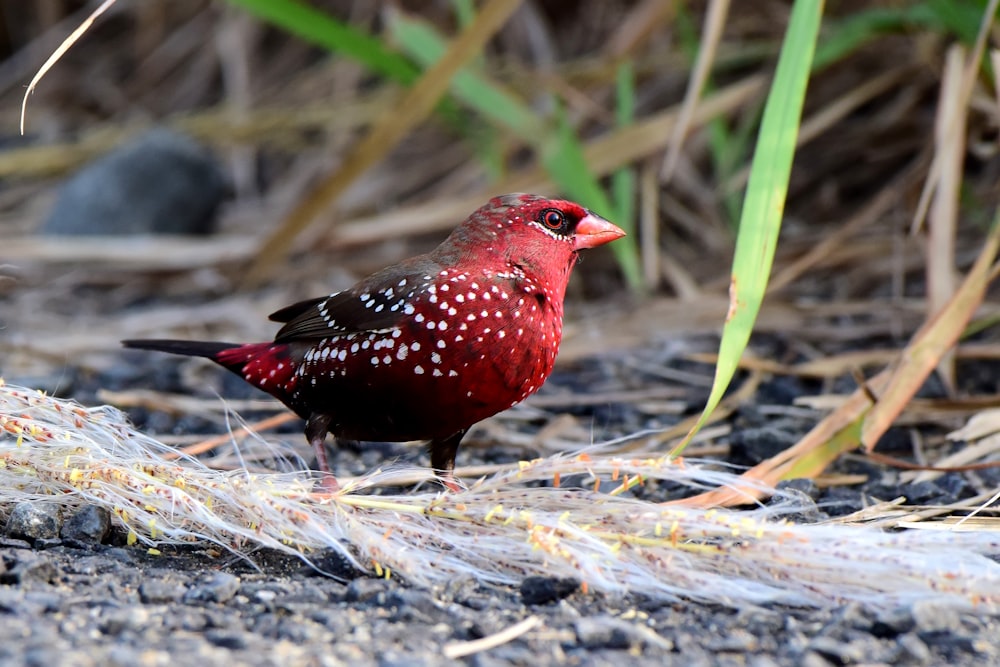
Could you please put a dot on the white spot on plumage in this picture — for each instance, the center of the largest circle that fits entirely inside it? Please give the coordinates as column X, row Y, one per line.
column 354, row 348
column 387, row 359
column 452, row 312
column 415, row 346
column 342, row 355
column 452, row 374
column 460, row 298
column 435, row 357
column 441, row 344
column 419, row 317
column 437, row 373
column 374, row 361
column 402, row 352
column 408, row 309
column 418, row 369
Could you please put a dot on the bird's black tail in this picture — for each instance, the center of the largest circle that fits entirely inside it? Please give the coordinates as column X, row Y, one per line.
column 189, row 348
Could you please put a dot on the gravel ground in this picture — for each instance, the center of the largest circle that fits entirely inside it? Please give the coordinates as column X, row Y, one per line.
column 73, row 593
column 65, row 602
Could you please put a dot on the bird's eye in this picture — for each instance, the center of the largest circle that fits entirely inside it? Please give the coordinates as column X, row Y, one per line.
column 553, row 219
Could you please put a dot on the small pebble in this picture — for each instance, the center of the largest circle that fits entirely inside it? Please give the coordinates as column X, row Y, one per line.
column 156, row 591
column 363, row 590
column 543, row 590
column 34, row 521
column 219, row 587
column 601, row 632
column 89, row 523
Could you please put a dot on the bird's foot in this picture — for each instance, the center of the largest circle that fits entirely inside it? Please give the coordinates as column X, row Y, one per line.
column 327, row 484
column 449, row 482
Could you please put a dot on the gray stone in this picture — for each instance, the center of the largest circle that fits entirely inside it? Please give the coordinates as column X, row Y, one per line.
column 601, row 632
column 160, row 183
column 219, row 587
column 34, row 521
column 156, row 591
column 89, row 523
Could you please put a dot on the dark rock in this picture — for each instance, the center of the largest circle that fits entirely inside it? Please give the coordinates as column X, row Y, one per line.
column 333, row 564
column 219, row 587
column 840, row 501
column 920, row 493
column 890, row 624
column 781, row 390
column 543, row 590
column 160, row 183
column 363, row 590
column 47, row 543
column 750, row 446
column 226, row 639
column 13, row 543
column 34, row 521
column 89, row 523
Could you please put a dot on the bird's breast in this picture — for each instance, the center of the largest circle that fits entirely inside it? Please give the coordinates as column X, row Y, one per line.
column 472, row 347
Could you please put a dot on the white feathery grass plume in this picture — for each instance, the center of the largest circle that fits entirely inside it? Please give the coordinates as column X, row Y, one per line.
column 501, row 529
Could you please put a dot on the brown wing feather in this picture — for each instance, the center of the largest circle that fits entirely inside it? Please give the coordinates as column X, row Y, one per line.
column 377, row 302
column 289, row 313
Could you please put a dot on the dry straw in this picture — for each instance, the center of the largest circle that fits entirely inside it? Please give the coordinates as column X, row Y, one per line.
column 501, row 529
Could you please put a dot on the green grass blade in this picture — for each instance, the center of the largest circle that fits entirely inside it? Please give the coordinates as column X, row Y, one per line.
column 764, row 203
column 423, row 43
column 321, row 29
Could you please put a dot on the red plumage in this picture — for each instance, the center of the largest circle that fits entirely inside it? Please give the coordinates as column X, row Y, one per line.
column 426, row 348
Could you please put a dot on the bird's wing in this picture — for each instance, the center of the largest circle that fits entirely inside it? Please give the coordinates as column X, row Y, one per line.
column 339, row 314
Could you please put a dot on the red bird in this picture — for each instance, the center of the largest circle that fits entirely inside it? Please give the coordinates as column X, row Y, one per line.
column 425, row 348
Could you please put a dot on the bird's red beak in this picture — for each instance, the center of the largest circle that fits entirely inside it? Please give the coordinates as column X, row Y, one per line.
column 593, row 230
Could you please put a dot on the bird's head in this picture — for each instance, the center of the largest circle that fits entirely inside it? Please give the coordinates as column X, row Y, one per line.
column 537, row 233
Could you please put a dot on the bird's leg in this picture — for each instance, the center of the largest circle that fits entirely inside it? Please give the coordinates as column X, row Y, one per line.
column 443, row 459
column 317, row 426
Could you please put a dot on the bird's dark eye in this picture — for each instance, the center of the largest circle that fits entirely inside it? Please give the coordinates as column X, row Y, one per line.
column 553, row 219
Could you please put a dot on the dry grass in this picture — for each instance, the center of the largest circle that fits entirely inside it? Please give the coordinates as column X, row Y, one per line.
column 880, row 145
